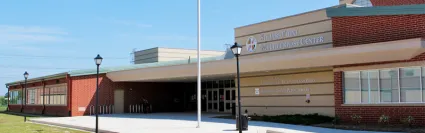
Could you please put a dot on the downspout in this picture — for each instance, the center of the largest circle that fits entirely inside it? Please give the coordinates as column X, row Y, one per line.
column 44, row 96
column 69, row 95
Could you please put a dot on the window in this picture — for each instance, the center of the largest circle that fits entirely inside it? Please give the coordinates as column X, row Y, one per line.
column 389, row 85
column 56, row 95
column 352, row 87
column 410, row 89
column 365, row 3
column 397, row 85
column 15, row 97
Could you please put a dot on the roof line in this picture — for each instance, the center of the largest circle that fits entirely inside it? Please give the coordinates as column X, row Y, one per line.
column 37, row 79
column 287, row 16
column 376, row 11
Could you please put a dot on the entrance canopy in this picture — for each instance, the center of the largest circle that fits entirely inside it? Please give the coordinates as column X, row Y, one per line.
column 375, row 52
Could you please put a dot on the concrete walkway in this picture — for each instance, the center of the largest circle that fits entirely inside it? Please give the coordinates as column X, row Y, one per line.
column 176, row 123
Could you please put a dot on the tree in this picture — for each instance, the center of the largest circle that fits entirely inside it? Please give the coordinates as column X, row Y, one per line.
column 3, row 101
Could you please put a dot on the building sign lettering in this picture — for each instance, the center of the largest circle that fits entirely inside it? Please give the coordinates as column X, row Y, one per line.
column 280, row 90
column 278, row 35
column 266, row 41
column 276, row 80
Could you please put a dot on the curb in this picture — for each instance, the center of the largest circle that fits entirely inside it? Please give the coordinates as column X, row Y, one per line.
column 71, row 126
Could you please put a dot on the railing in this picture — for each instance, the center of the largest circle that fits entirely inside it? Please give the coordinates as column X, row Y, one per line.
column 137, row 108
column 102, row 109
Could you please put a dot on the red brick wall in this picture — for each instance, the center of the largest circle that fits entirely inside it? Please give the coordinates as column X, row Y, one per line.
column 372, row 29
column 396, row 2
column 83, row 92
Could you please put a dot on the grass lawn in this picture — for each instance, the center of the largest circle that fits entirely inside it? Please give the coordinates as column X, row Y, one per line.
column 15, row 124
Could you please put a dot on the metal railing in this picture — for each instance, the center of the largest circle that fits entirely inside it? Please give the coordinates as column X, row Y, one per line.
column 102, row 109
column 137, row 108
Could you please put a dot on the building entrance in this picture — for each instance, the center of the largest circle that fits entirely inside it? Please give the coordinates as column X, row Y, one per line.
column 220, row 96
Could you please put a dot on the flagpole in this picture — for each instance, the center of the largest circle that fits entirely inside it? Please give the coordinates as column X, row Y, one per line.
column 199, row 64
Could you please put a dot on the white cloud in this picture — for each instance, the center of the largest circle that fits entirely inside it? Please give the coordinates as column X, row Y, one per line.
column 30, row 29
column 12, row 34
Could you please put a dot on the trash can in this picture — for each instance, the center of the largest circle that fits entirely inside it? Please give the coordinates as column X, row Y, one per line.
column 244, row 120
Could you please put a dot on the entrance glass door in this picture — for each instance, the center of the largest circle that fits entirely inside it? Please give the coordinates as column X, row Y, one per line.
column 229, row 100
column 212, row 102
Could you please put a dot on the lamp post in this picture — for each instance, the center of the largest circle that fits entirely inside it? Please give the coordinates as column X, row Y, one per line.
column 26, row 77
column 236, row 49
column 98, row 61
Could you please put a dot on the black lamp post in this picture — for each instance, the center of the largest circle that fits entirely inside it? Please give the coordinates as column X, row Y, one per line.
column 24, row 94
column 236, row 49
column 98, row 61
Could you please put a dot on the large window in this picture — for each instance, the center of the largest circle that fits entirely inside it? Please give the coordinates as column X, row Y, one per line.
column 397, row 85
column 56, row 95
column 15, row 97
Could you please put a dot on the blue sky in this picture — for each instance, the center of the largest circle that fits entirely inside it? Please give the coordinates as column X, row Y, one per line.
column 51, row 36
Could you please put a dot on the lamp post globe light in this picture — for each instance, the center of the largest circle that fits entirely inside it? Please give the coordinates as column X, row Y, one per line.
column 98, row 61
column 24, row 94
column 236, row 49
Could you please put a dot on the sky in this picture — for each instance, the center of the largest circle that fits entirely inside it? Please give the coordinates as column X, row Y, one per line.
column 52, row 36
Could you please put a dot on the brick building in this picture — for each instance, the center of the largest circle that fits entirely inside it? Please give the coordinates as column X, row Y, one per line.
column 362, row 57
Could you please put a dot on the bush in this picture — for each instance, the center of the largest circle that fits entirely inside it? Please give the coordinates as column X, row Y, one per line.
column 384, row 120
column 336, row 120
column 408, row 121
column 298, row 119
column 356, row 118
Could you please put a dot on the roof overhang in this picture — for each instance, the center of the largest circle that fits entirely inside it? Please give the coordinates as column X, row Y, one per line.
column 38, row 79
column 375, row 52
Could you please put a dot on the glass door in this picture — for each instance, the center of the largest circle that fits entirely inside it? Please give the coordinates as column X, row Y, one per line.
column 212, row 100
column 229, row 100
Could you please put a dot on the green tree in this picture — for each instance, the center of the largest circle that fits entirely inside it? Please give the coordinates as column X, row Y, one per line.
column 3, row 101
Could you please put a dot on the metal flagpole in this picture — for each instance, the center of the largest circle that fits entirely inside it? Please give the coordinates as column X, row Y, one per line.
column 199, row 64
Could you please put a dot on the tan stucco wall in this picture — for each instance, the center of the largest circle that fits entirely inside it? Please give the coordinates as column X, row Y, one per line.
column 346, row 1
column 284, row 92
column 306, row 31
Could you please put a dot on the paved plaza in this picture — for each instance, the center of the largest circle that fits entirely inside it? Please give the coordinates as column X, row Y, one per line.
column 176, row 123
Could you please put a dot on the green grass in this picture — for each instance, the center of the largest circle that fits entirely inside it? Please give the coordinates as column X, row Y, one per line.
column 15, row 124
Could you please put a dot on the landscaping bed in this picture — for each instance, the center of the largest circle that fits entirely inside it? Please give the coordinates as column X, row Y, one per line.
column 328, row 122
column 372, row 127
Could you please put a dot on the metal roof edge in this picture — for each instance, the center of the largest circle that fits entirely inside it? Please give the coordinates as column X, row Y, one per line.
column 48, row 77
column 375, row 11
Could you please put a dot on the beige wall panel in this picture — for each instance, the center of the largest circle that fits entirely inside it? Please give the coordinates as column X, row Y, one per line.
column 315, row 100
column 292, row 43
column 289, row 21
column 312, row 89
column 303, row 30
column 302, row 78
column 328, row 111
column 296, row 50
column 293, row 71
column 346, row 1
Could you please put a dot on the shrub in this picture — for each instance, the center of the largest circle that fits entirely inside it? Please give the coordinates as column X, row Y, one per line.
column 356, row 118
column 336, row 120
column 308, row 119
column 384, row 119
column 409, row 120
